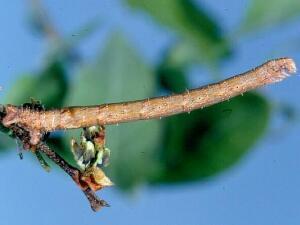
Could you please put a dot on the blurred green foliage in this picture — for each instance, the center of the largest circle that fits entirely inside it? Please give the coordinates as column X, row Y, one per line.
column 200, row 36
column 208, row 141
column 119, row 74
column 50, row 86
column 269, row 13
column 187, row 147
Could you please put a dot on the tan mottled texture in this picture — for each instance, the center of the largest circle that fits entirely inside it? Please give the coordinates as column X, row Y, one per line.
column 85, row 116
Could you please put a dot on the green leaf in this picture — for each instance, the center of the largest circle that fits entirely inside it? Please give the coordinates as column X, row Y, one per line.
column 49, row 86
column 5, row 142
column 119, row 74
column 201, row 36
column 209, row 141
column 269, row 13
column 172, row 78
column 5, row 134
column 84, row 31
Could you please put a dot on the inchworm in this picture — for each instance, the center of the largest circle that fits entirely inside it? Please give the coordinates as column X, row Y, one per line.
column 30, row 124
column 115, row 113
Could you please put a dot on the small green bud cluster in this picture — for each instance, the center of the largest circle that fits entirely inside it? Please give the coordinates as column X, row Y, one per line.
column 91, row 150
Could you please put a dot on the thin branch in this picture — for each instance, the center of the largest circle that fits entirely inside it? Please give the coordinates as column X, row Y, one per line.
column 75, row 174
column 85, row 116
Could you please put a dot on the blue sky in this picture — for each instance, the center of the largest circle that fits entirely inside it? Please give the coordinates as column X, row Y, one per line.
column 262, row 189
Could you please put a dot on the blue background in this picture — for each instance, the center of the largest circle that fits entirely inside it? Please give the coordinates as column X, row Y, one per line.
column 262, row 189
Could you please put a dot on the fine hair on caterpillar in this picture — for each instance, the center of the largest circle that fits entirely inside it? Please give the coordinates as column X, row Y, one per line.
column 31, row 123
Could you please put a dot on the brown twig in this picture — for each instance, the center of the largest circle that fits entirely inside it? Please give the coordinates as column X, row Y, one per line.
column 85, row 116
column 23, row 136
column 75, row 174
